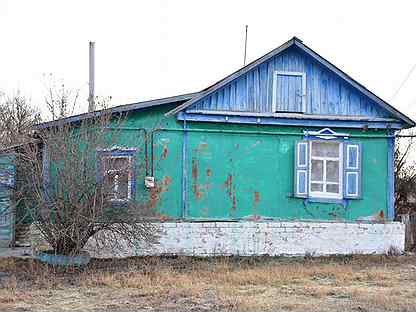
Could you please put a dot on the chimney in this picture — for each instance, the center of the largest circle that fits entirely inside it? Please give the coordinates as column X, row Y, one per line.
column 91, row 104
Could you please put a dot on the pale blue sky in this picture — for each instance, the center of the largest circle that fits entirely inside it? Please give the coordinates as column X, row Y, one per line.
column 152, row 49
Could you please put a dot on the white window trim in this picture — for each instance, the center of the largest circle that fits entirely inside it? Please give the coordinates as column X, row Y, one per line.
column 314, row 194
column 288, row 73
column 130, row 176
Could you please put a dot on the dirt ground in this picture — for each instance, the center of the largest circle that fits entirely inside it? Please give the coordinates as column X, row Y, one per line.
column 353, row 283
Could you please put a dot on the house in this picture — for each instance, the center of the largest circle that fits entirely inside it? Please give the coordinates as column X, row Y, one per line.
column 288, row 155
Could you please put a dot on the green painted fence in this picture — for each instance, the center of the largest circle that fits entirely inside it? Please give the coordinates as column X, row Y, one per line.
column 7, row 174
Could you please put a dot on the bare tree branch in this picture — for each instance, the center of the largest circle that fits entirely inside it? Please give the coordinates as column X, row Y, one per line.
column 70, row 203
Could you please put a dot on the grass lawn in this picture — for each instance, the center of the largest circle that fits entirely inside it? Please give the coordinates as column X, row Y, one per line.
column 350, row 283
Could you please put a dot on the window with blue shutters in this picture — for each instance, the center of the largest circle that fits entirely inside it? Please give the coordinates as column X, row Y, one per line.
column 327, row 169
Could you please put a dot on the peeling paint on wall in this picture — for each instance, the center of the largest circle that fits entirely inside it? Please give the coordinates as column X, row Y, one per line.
column 224, row 171
column 271, row 238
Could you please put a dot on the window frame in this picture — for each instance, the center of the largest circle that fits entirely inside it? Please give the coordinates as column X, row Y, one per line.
column 130, row 154
column 327, row 195
column 274, row 93
column 129, row 175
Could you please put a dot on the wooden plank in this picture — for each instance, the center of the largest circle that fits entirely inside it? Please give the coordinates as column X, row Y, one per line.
column 287, row 59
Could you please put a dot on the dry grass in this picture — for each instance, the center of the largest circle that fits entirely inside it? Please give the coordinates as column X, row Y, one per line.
column 355, row 283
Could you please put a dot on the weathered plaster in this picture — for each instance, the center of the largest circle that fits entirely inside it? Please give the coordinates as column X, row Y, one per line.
column 271, row 238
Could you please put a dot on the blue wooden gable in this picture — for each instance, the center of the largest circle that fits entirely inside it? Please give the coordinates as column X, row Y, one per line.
column 283, row 83
column 290, row 83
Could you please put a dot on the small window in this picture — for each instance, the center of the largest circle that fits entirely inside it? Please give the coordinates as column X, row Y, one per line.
column 118, row 177
column 325, row 169
column 289, row 92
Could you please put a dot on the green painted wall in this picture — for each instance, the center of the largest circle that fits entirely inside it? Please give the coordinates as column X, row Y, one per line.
column 242, row 175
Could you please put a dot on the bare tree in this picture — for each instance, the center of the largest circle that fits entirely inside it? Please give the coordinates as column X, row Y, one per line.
column 17, row 118
column 75, row 190
column 60, row 100
column 405, row 174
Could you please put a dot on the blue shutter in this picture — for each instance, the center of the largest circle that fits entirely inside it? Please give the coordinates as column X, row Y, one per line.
column 301, row 169
column 352, row 170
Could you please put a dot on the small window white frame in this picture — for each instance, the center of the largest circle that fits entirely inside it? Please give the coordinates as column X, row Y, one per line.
column 130, row 176
column 288, row 73
column 315, row 194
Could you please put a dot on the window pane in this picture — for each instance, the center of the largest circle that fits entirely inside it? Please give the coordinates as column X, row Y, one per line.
column 317, row 170
column 317, row 187
column 121, row 163
column 332, row 171
column 110, row 183
column 123, row 185
column 325, row 149
column 117, row 170
column 332, row 188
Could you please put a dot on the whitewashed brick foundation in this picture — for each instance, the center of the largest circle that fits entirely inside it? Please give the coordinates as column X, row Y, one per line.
column 271, row 238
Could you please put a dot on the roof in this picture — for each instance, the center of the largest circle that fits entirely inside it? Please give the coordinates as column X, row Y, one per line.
column 120, row 109
column 10, row 148
column 298, row 43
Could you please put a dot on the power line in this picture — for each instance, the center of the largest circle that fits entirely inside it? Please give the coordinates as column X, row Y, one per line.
column 403, row 82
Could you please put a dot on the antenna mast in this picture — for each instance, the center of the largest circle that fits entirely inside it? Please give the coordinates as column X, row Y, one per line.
column 245, row 47
column 91, row 104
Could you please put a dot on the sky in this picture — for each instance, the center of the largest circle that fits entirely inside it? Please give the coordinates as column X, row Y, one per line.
column 160, row 48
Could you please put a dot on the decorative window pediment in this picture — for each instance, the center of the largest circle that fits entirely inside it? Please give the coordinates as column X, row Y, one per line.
column 326, row 134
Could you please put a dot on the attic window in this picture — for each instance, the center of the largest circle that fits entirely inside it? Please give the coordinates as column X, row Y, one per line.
column 289, row 92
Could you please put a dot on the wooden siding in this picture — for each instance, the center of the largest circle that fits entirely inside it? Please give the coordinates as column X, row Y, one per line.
column 326, row 94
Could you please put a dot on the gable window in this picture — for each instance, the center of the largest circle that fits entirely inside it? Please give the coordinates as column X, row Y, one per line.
column 289, row 92
column 117, row 174
column 327, row 169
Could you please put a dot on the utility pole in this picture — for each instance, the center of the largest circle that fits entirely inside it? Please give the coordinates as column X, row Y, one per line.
column 91, row 81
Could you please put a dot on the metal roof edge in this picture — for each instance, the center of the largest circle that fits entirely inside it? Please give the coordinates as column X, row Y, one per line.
column 118, row 109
